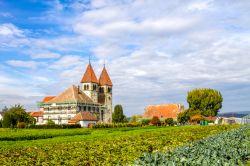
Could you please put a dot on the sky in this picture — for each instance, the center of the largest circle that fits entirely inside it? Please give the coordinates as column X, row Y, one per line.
column 155, row 51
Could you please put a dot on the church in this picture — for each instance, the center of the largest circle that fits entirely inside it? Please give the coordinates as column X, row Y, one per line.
column 89, row 102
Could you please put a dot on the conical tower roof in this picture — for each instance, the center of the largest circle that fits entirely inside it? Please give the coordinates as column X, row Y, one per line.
column 104, row 78
column 89, row 75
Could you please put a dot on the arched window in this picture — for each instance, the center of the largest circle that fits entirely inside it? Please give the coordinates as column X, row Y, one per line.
column 109, row 90
column 94, row 87
column 87, row 87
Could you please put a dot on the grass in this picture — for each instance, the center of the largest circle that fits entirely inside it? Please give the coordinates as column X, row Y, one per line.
column 94, row 146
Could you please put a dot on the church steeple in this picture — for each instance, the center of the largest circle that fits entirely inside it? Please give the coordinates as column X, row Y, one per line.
column 89, row 75
column 104, row 78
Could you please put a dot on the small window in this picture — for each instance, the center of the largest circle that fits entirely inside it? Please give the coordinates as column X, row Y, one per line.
column 89, row 108
column 109, row 90
column 101, row 90
column 69, row 117
column 69, row 108
column 84, row 108
column 87, row 87
column 94, row 87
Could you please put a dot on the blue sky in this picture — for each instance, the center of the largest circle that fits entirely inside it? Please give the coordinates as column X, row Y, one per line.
column 155, row 51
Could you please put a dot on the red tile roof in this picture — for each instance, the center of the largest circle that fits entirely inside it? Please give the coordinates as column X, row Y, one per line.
column 36, row 114
column 71, row 95
column 86, row 116
column 47, row 98
column 163, row 111
column 211, row 118
column 104, row 78
column 89, row 75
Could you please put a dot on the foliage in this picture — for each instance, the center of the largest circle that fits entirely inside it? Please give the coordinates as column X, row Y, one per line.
column 95, row 146
column 1, row 123
column 16, row 114
column 55, row 126
column 155, row 121
column 136, row 118
column 145, row 121
column 208, row 101
column 169, row 121
column 183, row 117
column 116, row 125
column 118, row 116
column 50, row 122
column 229, row 148
column 20, row 125
column 35, row 134
column 186, row 115
column 5, row 109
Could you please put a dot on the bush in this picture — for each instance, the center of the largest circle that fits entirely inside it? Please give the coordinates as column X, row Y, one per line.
column 16, row 114
column 145, row 122
column 62, row 126
column 50, row 122
column 116, row 125
column 169, row 121
column 20, row 125
column 155, row 121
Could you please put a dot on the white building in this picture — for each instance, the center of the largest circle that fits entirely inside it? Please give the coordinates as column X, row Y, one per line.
column 92, row 95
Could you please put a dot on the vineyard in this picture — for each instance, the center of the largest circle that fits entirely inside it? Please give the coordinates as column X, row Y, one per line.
column 95, row 146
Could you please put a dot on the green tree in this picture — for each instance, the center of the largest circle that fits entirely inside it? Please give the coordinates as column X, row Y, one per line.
column 118, row 116
column 169, row 121
column 207, row 101
column 135, row 118
column 16, row 114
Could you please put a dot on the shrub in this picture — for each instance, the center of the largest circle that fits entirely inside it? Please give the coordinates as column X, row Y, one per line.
column 21, row 125
column 169, row 121
column 50, row 122
column 116, row 125
column 155, row 121
column 62, row 126
column 145, row 122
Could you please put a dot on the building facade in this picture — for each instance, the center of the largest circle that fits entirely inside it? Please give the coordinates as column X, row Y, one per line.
column 92, row 95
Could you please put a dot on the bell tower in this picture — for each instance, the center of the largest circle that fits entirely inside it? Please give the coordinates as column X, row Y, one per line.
column 89, row 83
column 105, row 92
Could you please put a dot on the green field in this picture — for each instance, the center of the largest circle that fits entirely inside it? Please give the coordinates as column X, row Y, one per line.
column 94, row 146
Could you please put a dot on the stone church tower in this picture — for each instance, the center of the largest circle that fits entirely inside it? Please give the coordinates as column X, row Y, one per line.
column 100, row 91
column 105, row 94
column 89, row 83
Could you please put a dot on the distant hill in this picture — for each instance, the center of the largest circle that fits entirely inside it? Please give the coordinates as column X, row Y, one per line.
column 239, row 114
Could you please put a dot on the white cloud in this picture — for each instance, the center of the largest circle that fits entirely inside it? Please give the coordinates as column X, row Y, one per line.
column 10, row 30
column 23, row 64
column 42, row 54
column 67, row 61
